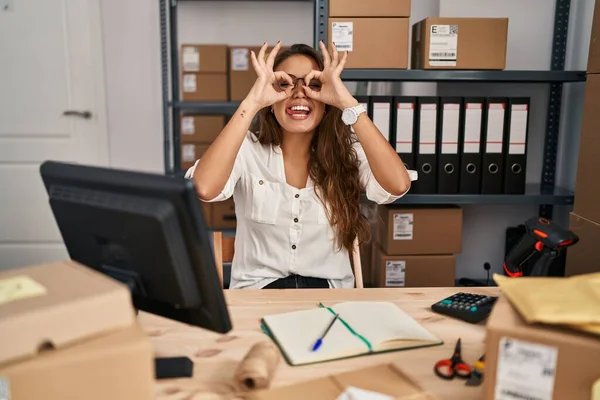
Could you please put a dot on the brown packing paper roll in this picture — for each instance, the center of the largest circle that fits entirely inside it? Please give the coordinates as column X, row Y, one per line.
column 258, row 367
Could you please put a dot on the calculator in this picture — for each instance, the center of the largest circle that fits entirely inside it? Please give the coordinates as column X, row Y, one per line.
column 469, row 307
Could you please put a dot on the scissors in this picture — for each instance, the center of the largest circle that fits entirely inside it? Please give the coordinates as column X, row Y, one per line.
column 455, row 366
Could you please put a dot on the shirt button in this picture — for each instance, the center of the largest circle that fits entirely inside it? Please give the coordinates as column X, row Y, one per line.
column 297, row 195
column 293, row 247
column 295, row 219
column 260, row 182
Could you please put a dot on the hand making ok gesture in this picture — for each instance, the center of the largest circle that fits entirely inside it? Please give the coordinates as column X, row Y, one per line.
column 333, row 91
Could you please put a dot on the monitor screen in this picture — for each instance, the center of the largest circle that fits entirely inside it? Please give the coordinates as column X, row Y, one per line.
column 144, row 230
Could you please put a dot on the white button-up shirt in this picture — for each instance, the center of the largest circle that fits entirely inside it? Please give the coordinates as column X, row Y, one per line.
column 282, row 230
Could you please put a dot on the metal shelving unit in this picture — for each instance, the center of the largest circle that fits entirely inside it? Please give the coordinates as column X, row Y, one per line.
column 546, row 195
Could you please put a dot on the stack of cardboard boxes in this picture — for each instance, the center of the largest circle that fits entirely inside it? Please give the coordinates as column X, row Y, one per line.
column 412, row 246
column 585, row 218
column 68, row 332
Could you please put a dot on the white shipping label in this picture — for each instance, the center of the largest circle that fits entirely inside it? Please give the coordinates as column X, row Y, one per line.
column 450, row 128
column 473, row 115
column 342, row 34
column 188, row 153
column 427, row 135
column 395, row 273
column 518, row 129
column 187, row 126
column 191, row 59
column 403, row 226
column 495, row 128
column 525, row 370
column 240, row 60
column 381, row 118
column 189, row 83
column 405, row 127
column 4, row 389
column 443, row 45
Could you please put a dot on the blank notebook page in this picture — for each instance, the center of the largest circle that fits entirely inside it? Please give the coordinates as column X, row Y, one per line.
column 298, row 331
column 382, row 321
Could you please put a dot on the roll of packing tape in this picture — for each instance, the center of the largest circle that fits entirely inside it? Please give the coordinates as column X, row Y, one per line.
column 258, row 367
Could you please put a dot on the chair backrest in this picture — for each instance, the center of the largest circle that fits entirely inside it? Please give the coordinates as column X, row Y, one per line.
column 355, row 259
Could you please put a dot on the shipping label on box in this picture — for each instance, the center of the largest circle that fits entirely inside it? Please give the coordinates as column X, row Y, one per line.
column 443, row 45
column 403, row 226
column 343, row 35
column 395, row 272
column 188, row 126
column 191, row 59
column 189, row 83
column 240, row 59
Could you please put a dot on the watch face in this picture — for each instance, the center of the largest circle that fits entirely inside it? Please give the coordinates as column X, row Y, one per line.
column 349, row 116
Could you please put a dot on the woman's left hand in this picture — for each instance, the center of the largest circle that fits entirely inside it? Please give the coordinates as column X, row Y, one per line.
column 333, row 91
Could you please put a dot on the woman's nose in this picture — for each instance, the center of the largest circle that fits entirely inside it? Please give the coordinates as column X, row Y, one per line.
column 298, row 90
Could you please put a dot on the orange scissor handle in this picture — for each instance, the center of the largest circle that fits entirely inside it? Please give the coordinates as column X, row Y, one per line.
column 448, row 369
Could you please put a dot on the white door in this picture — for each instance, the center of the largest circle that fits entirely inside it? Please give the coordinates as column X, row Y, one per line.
column 50, row 63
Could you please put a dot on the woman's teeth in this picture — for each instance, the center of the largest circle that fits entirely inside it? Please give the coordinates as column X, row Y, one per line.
column 299, row 112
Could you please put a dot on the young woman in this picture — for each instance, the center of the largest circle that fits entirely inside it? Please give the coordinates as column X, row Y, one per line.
column 297, row 173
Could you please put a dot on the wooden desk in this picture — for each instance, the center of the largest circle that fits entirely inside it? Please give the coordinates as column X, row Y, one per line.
column 216, row 356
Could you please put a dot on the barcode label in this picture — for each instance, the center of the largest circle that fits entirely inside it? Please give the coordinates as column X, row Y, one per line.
column 395, row 272
column 443, row 45
column 342, row 35
column 403, row 226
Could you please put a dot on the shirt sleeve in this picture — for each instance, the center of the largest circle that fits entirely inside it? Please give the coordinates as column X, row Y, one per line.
column 234, row 177
column 375, row 192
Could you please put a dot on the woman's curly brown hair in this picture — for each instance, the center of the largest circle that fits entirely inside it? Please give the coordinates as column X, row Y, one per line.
column 333, row 163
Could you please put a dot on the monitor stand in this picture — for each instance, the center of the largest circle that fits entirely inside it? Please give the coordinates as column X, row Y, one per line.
column 164, row 367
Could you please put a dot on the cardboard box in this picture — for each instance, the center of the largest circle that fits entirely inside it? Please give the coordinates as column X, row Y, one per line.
column 116, row 365
column 413, row 271
column 537, row 361
column 583, row 257
column 204, row 87
column 420, row 230
column 223, row 214
column 587, row 186
column 201, row 128
column 204, row 58
column 372, row 8
column 241, row 72
column 460, row 43
column 374, row 43
column 55, row 305
column 190, row 153
column 386, row 379
column 593, row 66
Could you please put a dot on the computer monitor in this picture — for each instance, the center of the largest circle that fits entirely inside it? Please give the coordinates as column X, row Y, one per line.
column 144, row 230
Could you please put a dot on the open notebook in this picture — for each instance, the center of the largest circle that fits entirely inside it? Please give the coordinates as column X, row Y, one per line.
column 363, row 327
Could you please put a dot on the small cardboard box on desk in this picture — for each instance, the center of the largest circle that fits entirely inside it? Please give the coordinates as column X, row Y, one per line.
column 68, row 332
column 533, row 361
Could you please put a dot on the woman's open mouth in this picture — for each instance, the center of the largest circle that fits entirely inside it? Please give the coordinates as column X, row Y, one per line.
column 298, row 112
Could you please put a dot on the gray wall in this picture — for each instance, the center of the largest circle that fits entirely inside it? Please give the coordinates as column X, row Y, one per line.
column 131, row 34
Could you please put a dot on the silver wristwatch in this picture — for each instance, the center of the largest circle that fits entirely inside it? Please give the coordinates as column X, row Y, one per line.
column 350, row 115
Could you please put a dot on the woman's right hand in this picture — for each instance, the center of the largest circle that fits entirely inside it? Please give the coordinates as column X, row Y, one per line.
column 263, row 93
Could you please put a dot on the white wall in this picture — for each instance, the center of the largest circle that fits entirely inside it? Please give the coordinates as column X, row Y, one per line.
column 134, row 96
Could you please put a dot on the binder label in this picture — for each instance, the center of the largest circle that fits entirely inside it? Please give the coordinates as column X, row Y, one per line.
column 191, row 59
column 404, row 127
column 473, row 115
column 450, row 128
column 187, row 125
column 381, row 118
column 239, row 60
column 443, row 45
column 495, row 128
column 403, row 226
column 427, row 135
column 518, row 129
column 342, row 34
column 395, row 273
column 525, row 370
